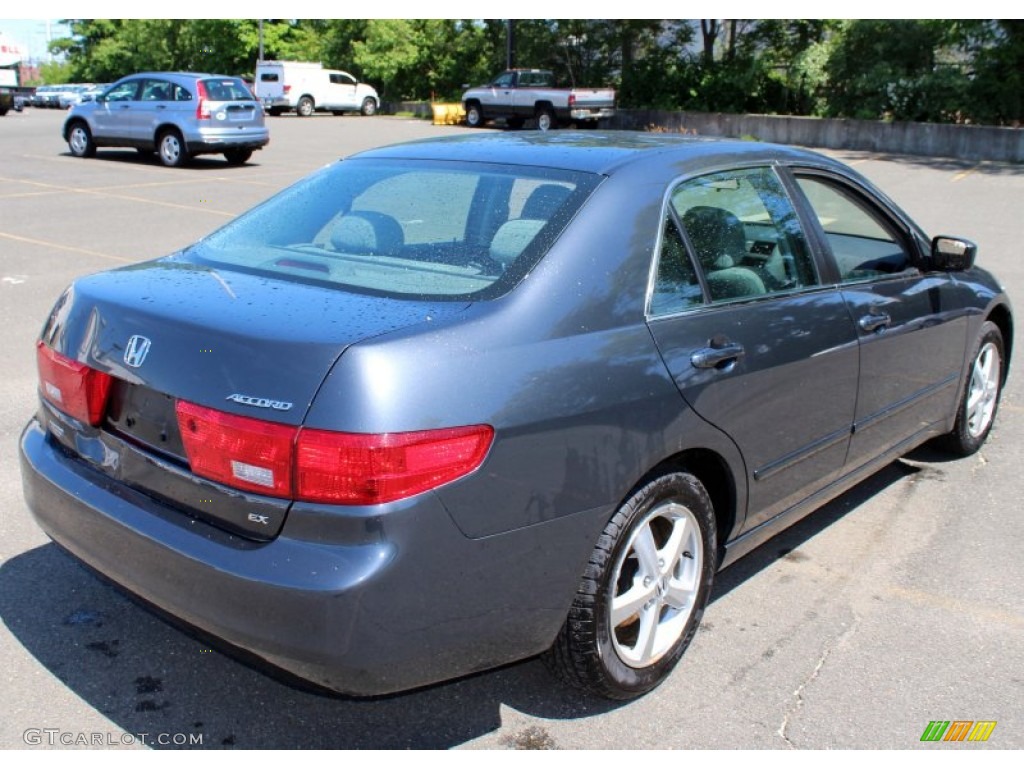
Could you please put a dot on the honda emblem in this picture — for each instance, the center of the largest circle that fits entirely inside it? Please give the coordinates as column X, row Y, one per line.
column 136, row 351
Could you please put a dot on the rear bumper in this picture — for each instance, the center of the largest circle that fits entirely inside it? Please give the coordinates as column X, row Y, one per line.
column 209, row 142
column 585, row 113
column 363, row 601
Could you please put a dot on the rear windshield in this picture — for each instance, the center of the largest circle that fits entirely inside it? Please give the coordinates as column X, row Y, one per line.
column 227, row 89
column 439, row 230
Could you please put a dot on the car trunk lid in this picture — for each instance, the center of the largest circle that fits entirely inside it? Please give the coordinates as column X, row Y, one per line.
column 241, row 344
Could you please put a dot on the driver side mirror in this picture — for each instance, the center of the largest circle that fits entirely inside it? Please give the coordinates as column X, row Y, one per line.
column 952, row 254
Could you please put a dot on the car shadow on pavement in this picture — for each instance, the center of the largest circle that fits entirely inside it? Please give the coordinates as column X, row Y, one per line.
column 147, row 677
column 149, row 159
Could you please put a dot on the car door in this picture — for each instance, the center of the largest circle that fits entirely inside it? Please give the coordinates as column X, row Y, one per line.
column 156, row 96
column 113, row 116
column 496, row 99
column 911, row 326
column 342, row 90
column 757, row 343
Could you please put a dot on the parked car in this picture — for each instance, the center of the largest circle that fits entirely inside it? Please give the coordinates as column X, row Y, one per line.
column 46, row 96
column 381, row 436
column 518, row 95
column 71, row 95
column 92, row 91
column 307, row 87
column 178, row 115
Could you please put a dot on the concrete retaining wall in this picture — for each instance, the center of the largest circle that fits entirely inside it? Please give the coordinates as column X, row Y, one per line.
column 965, row 142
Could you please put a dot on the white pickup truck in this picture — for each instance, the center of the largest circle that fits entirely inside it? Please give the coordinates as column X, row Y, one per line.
column 521, row 94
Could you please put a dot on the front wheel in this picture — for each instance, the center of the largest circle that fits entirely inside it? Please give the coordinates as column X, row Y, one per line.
column 369, row 107
column 977, row 411
column 474, row 117
column 80, row 141
column 643, row 592
column 171, row 149
column 305, row 107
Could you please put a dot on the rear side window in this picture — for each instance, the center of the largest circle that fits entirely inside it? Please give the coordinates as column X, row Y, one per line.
column 420, row 229
column 269, row 77
column 743, row 238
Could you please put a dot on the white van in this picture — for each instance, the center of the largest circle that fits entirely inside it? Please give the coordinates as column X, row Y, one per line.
column 307, row 87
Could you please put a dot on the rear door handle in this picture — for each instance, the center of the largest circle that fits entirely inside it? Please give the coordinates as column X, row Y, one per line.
column 717, row 357
column 873, row 322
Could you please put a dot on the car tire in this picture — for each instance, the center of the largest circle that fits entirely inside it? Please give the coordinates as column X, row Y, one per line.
column 80, row 140
column 238, row 156
column 546, row 120
column 369, row 107
column 977, row 410
column 170, row 148
column 643, row 592
column 474, row 117
column 305, row 107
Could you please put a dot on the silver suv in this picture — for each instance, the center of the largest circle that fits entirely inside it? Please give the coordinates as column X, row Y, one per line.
column 178, row 115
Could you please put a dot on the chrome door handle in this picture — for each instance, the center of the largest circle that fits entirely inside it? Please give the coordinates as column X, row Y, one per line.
column 717, row 357
column 869, row 323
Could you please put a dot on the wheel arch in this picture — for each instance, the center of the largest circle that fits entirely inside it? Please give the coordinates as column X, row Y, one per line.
column 540, row 106
column 161, row 129
column 1000, row 315
column 714, row 473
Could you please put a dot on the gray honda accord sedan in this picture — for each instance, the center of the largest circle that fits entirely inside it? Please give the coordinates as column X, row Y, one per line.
column 449, row 404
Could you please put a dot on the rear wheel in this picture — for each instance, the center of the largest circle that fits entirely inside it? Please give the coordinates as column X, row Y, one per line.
column 977, row 411
column 171, row 149
column 643, row 592
column 80, row 140
column 369, row 107
column 305, row 107
column 238, row 156
column 545, row 119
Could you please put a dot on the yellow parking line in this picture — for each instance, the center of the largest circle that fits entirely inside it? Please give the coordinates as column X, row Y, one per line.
column 959, row 607
column 71, row 248
column 100, row 193
column 964, row 174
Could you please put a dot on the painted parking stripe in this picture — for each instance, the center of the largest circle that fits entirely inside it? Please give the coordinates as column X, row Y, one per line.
column 73, row 249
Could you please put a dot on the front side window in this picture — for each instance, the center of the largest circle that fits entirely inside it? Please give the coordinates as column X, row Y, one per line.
column 124, row 91
column 863, row 245
column 743, row 234
column 420, row 229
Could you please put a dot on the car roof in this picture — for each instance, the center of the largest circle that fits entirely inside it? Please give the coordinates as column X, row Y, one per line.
column 189, row 75
column 605, row 152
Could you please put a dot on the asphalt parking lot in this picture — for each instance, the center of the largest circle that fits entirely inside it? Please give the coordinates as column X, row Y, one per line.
column 898, row 604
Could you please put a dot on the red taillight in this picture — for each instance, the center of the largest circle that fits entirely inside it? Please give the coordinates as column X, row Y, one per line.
column 572, row 100
column 328, row 467
column 202, row 109
column 286, row 89
column 248, row 454
column 343, row 468
column 75, row 388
